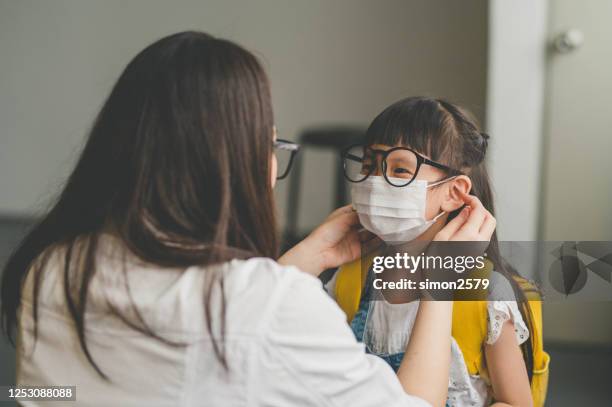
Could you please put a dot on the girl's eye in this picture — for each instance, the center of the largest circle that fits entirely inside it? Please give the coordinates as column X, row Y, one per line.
column 401, row 171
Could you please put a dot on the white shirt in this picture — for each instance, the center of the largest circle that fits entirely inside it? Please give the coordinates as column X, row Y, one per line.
column 287, row 343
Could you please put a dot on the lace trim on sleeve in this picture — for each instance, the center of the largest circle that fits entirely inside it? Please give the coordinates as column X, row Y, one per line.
column 501, row 311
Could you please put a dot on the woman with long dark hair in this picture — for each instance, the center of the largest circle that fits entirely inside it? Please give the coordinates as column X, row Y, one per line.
column 152, row 280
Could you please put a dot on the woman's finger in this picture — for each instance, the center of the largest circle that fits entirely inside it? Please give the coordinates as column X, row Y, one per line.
column 341, row 223
column 488, row 227
column 474, row 221
column 348, row 218
column 468, row 199
column 365, row 235
column 340, row 211
column 454, row 225
column 472, row 201
column 478, row 213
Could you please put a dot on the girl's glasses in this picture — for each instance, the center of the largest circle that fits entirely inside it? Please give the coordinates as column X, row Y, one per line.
column 285, row 152
column 399, row 165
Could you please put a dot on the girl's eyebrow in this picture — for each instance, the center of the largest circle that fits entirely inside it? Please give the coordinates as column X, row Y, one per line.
column 392, row 159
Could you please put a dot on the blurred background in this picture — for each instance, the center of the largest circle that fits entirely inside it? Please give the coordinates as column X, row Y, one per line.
column 536, row 73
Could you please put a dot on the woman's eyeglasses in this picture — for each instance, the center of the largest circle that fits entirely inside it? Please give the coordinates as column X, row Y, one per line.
column 285, row 152
column 399, row 165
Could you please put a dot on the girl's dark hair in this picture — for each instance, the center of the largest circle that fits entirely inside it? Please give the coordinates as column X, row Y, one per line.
column 176, row 166
column 450, row 135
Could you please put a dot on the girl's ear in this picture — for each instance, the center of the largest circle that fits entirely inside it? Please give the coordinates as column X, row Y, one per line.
column 457, row 187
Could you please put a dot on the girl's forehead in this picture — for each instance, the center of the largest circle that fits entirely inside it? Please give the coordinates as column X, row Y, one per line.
column 377, row 146
column 386, row 147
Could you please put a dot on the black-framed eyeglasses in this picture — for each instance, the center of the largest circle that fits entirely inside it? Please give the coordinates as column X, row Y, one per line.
column 399, row 165
column 285, row 152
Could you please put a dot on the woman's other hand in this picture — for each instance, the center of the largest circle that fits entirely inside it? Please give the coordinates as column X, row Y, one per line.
column 335, row 242
column 473, row 224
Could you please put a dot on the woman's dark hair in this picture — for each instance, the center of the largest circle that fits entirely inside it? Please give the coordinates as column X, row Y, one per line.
column 177, row 166
column 449, row 134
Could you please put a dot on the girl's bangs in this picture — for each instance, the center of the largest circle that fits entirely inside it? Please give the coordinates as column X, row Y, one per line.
column 416, row 123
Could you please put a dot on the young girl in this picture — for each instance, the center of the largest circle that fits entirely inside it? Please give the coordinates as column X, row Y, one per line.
column 421, row 158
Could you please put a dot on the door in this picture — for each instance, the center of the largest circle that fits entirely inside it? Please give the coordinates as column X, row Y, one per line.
column 577, row 169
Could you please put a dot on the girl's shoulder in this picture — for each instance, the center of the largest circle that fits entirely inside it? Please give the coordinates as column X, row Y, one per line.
column 481, row 322
column 500, row 312
column 502, row 306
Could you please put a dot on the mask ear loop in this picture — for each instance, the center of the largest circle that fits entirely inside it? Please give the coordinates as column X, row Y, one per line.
column 442, row 181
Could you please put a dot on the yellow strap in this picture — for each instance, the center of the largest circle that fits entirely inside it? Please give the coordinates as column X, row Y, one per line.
column 349, row 284
column 469, row 327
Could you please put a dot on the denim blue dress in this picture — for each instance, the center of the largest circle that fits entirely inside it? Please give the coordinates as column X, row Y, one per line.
column 359, row 322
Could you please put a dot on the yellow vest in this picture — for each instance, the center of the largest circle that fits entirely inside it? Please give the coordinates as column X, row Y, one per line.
column 469, row 326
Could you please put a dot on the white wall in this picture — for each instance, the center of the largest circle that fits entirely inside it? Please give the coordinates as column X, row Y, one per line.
column 329, row 61
column 515, row 103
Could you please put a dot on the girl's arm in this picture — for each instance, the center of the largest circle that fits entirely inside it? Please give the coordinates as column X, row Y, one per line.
column 426, row 363
column 425, row 368
column 507, row 370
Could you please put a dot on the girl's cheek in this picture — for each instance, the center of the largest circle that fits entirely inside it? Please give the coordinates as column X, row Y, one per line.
column 433, row 204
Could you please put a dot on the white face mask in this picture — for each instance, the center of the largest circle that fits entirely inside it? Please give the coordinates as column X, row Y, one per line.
column 391, row 213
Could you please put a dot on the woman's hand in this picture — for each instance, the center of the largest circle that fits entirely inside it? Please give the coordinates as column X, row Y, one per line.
column 335, row 242
column 473, row 224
